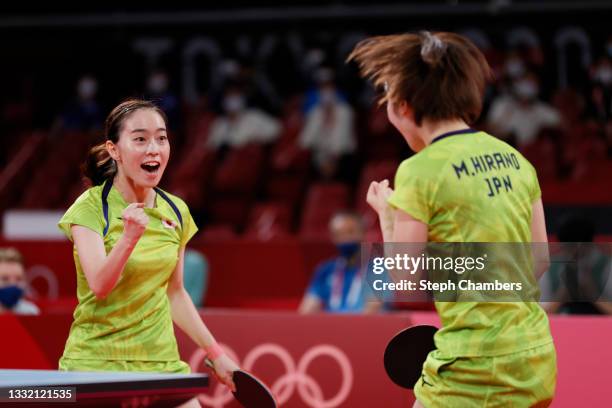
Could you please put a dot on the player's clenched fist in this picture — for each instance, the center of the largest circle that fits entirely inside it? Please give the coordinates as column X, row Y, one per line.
column 134, row 221
column 378, row 194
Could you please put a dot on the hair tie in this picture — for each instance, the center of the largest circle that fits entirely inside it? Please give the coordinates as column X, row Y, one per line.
column 432, row 48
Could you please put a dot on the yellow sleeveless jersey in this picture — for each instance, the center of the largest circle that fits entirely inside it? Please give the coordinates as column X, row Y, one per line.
column 468, row 186
column 133, row 323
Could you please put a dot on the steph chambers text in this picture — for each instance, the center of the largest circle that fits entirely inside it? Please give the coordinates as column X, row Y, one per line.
column 464, row 284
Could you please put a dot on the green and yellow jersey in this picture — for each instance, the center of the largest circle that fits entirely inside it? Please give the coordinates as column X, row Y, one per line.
column 133, row 323
column 468, row 186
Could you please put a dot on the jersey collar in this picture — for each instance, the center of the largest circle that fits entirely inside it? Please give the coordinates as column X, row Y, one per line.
column 453, row 133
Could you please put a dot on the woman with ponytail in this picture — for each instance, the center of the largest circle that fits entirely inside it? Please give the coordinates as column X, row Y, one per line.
column 487, row 353
column 129, row 243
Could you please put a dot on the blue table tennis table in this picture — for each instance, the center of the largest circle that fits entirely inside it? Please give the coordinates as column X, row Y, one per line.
column 98, row 389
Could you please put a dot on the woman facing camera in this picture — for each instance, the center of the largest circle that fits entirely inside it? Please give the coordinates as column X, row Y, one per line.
column 129, row 244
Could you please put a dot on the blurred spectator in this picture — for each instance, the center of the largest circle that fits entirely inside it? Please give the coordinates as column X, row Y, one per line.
column 514, row 67
column 13, row 284
column 520, row 115
column 320, row 76
column 83, row 114
column 339, row 284
column 240, row 124
column 578, row 281
column 313, row 59
column 254, row 82
column 329, row 129
column 195, row 276
column 158, row 90
column 600, row 102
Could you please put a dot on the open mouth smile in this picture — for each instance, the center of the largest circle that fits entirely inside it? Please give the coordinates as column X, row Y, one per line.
column 150, row 167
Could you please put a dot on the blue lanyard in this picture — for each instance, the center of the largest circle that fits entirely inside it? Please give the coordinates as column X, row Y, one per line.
column 335, row 301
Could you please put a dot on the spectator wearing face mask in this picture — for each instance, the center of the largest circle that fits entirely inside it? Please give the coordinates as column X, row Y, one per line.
column 320, row 76
column 339, row 284
column 328, row 130
column 240, row 125
column 13, row 284
column 158, row 91
column 83, row 114
column 514, row 67
column 520, row 115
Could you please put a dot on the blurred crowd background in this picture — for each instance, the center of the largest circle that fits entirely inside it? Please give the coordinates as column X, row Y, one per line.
column 272, row 132
column 268, row 121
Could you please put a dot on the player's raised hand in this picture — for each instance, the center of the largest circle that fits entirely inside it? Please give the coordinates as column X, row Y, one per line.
column 378, row 194
column 134, row 221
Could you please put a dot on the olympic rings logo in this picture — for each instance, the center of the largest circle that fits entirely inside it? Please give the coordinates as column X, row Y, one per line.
column 296, row 375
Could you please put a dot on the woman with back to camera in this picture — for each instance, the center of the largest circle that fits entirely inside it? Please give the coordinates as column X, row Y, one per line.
column 129, row 244
column 487, row 354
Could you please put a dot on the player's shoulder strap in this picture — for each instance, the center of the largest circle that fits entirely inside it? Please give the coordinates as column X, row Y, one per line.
column 106, row 190
column 163, row 195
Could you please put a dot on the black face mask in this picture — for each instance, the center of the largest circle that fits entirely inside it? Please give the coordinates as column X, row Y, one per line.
column 348, row 249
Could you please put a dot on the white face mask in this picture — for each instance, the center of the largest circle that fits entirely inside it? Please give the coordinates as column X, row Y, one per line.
column 87, row 88
column 515, row 68
column 603, row 75
column 233, row 103
column 158, row 84
column 327, row 96
column 526, row 89
column 229, row 68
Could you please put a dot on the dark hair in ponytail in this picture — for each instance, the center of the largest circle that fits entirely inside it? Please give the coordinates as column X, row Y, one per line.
column 99, row 166
column 440, row 75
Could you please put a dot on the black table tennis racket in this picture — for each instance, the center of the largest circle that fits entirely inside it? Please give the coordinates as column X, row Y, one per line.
column 250, row 391
column 406, row 353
